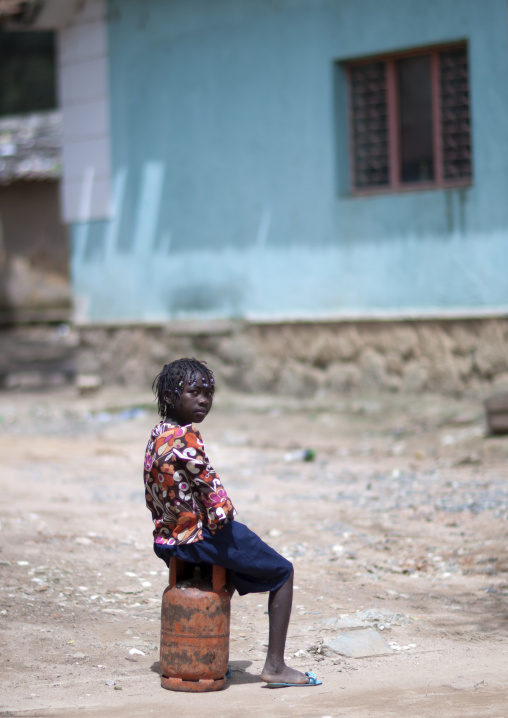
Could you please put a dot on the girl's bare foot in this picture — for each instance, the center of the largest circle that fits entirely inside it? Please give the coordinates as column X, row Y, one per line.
column 283, row 675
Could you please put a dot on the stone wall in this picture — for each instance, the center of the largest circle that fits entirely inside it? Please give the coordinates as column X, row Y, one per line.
column 453, row 357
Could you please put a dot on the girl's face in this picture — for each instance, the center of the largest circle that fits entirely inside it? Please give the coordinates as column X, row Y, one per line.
column 194, row 402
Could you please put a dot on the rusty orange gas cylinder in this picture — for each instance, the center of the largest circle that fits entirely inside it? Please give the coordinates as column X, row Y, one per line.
column 194, row 632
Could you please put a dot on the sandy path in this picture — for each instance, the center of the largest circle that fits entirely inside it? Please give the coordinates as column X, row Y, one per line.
column 404, row 510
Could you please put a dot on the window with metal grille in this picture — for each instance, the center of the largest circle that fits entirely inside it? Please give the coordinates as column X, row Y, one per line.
column 27, row 72
column 410, row 124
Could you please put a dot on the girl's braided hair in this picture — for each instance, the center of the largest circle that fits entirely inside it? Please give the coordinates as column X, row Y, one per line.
column 172, row 379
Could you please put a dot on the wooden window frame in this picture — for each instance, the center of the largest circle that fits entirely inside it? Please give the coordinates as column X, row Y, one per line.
column 395, row 184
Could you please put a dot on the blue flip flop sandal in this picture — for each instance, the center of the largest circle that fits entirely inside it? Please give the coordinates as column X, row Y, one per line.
column 313, row 681
column 228, row 672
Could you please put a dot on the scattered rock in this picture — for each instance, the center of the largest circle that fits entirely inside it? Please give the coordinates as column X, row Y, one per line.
column 356, row 644
column 376, row 617
column 468, row 459
column 83, row 541
column 136, row 652
column 300, row 654
column 462, row 683
column 343, row 622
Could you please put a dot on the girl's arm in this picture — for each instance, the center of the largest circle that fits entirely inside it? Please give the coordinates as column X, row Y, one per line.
column 211, row 493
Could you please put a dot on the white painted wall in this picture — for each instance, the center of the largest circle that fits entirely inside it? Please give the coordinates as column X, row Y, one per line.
column 84, row 102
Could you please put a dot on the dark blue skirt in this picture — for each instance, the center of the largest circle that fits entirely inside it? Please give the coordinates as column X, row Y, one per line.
column 253, row 566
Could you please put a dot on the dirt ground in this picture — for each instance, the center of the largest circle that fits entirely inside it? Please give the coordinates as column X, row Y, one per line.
column 399, row 524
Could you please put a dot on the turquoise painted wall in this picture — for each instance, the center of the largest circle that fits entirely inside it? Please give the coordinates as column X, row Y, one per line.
column 230, row 167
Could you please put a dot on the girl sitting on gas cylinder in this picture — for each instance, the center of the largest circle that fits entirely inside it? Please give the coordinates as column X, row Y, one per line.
column 194, row 518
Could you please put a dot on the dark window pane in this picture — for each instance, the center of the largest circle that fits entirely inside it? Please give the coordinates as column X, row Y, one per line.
column 27, row 72
column 369, row 111
column 415, row 116
column 455, row 116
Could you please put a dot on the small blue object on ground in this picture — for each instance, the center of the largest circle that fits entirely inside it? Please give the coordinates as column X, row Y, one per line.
column 313, row 681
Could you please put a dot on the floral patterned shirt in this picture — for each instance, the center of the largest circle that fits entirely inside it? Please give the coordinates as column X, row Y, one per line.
column 182, row 490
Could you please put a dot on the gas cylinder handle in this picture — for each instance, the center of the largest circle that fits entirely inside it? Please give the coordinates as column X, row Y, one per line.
column 218, row 578
column 176, row 566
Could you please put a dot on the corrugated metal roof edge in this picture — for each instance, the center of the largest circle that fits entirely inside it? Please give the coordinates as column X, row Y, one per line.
column 31, row 146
